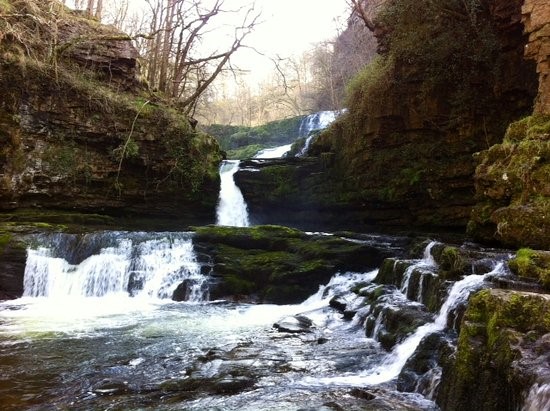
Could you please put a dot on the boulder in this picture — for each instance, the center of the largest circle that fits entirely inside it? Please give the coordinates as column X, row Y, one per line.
column 279, row 264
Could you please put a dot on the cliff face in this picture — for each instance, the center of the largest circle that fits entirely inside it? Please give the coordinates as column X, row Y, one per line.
column 512, row 178
column 80, row 132
column 536, row 19
column 403, row 153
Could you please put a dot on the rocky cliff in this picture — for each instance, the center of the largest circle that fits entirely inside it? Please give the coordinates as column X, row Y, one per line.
column 80, row 131
column 512, row 178
column 536, row 20
column 403, row 153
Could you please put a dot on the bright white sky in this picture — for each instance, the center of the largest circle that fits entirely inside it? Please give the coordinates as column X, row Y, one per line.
column 288, row 28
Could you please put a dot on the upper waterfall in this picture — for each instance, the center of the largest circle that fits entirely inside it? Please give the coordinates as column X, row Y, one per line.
column 232, row 210
column 315, row 122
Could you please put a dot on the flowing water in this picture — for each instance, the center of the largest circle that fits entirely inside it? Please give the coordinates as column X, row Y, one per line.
column 232, row 209
column 314, row 123
column 275, row 152
column 309, row 127
column 97, row 329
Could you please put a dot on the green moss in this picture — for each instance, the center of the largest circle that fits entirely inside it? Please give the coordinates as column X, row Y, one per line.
column 451, row 263
column 242, row 142
column 532, row 264
column 5, row 239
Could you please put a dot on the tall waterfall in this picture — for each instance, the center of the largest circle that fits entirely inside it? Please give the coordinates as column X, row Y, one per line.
column 149, row 265
column 232, row 210
column 315, row 122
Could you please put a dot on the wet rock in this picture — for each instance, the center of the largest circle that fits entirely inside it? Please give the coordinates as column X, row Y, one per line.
column 13, row 256
column 422, row 370
column 497, row 358
column 233, row 385
column 339, row 303
column 110, row 387
column 294, row 324
column 393, row 318
column 280, row 264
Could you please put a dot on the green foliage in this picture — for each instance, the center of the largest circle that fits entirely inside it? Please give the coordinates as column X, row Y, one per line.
column 370, row 86
column 244, row 152
column 536, row 126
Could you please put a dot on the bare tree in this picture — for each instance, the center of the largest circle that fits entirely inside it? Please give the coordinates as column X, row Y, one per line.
column 177, row 61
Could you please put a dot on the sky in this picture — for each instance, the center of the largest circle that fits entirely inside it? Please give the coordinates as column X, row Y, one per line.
column 289, row 28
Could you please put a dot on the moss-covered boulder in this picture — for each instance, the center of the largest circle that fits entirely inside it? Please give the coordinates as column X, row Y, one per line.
column 532, row 264
column 513, row 187
column 499, row 353
column 279, row 264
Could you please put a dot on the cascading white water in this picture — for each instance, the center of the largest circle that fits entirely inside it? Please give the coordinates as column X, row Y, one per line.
column 315, row 122
column 394, row 362
column 157, row 264
column 538, row 398
column 232, row 210
column 275, row 152
column 427, row 262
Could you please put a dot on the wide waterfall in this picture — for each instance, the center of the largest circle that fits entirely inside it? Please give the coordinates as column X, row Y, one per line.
column 232, row 210
column 103, row 264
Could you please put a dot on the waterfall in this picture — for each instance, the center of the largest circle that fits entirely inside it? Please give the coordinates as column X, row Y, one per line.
column 232, row 209
column 538, row 398
column 275, row 152
column 427, row 262
column 149, row 265
column 312, row 123
column 394, row 362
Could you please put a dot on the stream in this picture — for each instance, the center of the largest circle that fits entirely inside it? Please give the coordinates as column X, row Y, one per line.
column 97, row 329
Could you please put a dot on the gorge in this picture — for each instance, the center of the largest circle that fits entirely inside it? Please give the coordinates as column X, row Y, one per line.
column 381, row 265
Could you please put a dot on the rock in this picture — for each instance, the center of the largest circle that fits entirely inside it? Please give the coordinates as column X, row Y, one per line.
column 393, row 318
column 422, row 371
column 497, row 358
column 13, row 256
column 294, row 324
column 513, row 187
column 402, row 155
column 94, row 140
column 279, row 264
column 536, row 21
column 532, row 264
column 110, row 387
column 233, row 385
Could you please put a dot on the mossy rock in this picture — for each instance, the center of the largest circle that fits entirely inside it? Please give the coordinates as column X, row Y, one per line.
column 491, row 340
column 532, row 264
column 451, row 263
column 513, row 187
column 279, row 264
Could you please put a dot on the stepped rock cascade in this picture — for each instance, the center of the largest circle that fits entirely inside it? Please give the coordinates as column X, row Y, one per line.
column 232, row 209
column 148, row 265
column 314, row 123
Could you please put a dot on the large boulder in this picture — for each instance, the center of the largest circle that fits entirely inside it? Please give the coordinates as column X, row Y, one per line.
column 513, row 187
column 279, row 264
